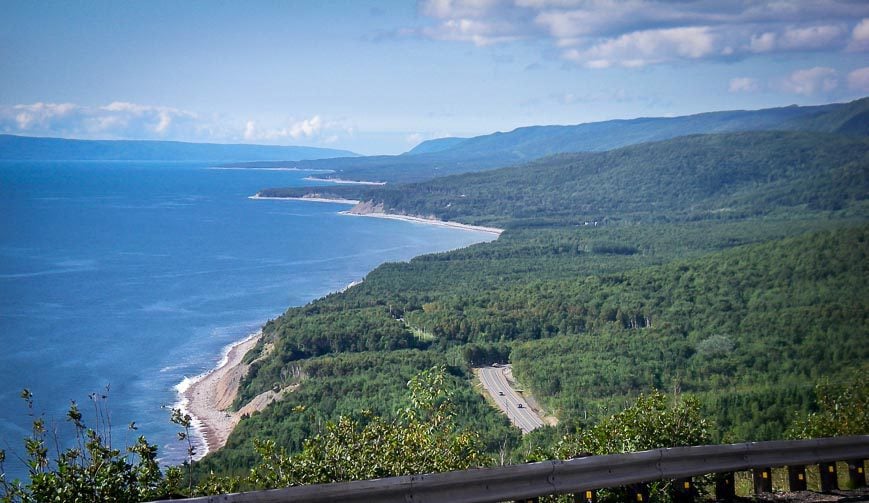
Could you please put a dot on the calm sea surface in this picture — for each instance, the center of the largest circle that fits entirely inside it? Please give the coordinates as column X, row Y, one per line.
column 135, row 275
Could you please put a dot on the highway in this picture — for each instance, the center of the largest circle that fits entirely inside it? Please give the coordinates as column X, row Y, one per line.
column 520, row 414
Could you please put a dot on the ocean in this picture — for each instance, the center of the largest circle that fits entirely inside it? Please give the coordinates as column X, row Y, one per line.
column 124, row 278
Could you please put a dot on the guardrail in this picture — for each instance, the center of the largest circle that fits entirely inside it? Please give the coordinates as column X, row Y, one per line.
column 579, row 475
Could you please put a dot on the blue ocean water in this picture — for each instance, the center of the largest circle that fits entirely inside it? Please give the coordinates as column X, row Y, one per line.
column 134, row 275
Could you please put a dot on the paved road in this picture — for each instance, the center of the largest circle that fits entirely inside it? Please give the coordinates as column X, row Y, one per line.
column 508, row 400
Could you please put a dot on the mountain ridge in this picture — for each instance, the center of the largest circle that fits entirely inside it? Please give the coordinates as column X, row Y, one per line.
column 16, row 147
column 449, row 156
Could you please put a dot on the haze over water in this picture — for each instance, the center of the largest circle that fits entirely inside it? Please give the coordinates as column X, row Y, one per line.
column 136, row 275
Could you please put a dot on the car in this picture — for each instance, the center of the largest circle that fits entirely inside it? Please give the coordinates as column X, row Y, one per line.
column 500, row 393
column 519, row 406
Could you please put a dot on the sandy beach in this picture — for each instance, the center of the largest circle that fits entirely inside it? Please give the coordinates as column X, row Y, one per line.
column 427, row 221
column 207, row 396
column 342, row 181
column 372, row 212
column 309, row 199
column 270, row 169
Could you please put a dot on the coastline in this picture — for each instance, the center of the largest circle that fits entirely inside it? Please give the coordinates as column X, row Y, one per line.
column 207, row 396
column 309, row 199
column 427, row 221
column 379, row 214
column 341, row 181
column 271, row 169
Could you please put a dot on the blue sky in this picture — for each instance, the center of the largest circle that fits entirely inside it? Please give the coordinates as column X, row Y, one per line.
column 379, row 77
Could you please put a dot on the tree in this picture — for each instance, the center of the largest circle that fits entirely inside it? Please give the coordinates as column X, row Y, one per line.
column 843, row 410
column 422, row 438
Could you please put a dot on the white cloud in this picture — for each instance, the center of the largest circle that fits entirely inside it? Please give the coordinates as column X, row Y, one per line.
column 858, row 80
column 743, row 85
column 647, row 47
column 629, row 33
column 249, row 130
column 813, row 37
column 860, row 36
column 313, row 129
column 811, row 81
column 41, row 114
column 445, row 9
column 480, row 33
column 306, row 128
column 124, row 120
column 764, row 42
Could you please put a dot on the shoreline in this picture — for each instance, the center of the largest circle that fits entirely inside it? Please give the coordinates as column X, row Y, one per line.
column 342, row 181
column 390, row 216
column 309, row 199
column 271, row 169
column 427, row 221
column 207, row 396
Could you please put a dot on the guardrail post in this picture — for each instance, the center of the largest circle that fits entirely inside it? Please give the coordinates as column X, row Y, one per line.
column 797, row 478
column 762, row 480
column 638, row 493
column 725, row 488
column 856, row 475
column 587, row 496
column 685, row 490
column 829, row 479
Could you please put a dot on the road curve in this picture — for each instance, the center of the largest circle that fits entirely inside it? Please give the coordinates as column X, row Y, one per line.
column 508, row 400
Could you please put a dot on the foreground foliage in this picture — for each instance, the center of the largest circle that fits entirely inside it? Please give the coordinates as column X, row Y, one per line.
column 421, row 438
column 843, row 409
column 92, row 470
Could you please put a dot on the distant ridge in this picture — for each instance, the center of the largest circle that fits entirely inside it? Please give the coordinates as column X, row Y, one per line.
column 537, row 141
column 448, row 156
column 436, row 145
column 14, row 147
column 726, row 175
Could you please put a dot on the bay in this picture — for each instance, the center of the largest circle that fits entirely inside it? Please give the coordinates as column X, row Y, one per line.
column 123, row 278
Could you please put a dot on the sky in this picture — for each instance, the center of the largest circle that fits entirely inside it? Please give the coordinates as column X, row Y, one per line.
column 378, row 77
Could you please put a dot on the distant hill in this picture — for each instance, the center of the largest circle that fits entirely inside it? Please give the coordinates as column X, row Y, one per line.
column 34, row 148
column 538, row 141
column 436, row 145
column 447, row 156
column 701, row 176
column 852, row 119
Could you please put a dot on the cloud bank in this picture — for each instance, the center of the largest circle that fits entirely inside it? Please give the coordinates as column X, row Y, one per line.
column 123, row 120
column 634, row 33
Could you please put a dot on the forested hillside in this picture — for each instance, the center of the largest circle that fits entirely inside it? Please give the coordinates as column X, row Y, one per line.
column 728, row 267
column 734, row 175
column 589, row 320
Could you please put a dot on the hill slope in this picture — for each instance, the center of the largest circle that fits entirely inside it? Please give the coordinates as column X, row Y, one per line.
column 725, row 175
column 436, row 145
column 452, row 156
column 538, row 141
column 56, row 149
column 731, row 266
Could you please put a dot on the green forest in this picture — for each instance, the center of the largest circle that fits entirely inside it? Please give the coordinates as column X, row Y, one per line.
column 729, row 268
column 720, row 278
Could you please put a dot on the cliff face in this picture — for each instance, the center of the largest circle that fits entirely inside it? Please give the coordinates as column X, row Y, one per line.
column 367, row 208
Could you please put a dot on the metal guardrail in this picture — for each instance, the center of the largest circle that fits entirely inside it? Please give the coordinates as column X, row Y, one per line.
column 571, row 476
